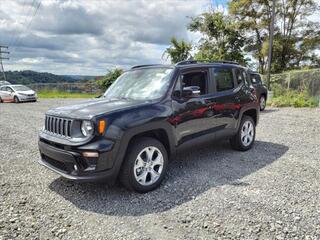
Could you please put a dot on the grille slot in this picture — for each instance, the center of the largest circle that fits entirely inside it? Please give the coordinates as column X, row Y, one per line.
column 59, row 126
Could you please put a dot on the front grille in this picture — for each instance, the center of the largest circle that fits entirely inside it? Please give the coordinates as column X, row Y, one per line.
column 30, row 95
column 59, row 126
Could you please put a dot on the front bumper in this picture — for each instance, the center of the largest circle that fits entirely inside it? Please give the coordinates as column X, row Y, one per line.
column 23, row 98
column 69, row 162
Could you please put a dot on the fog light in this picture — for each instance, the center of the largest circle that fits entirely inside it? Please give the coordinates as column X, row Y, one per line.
column 90, row 154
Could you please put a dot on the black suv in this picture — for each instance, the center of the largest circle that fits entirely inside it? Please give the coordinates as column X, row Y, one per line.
column 261, row 89
column 147, row 115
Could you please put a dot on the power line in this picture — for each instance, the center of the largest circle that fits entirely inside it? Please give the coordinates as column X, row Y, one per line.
column 27, row 27
column 3, row 58
column 16, row 35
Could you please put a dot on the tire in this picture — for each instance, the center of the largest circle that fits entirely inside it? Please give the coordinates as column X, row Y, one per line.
column 1, row 100
column 137, row 175
column 262, row 102
column 16, row 99
column 241, row 140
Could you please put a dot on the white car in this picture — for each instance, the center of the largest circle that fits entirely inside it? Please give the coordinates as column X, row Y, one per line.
column 17, row 93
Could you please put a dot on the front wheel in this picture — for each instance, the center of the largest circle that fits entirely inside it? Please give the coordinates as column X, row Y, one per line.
column 262, row 102
column 245, row 136
column 145, row 165
column 16, row 99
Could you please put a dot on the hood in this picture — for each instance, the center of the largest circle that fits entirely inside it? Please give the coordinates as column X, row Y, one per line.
column 94, row 107
column 27, row 92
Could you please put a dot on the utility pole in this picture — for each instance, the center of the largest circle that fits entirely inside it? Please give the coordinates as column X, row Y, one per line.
column 271, row 43
column 3, row 58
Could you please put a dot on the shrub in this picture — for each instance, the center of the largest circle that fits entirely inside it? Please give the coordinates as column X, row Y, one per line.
column 292, row 98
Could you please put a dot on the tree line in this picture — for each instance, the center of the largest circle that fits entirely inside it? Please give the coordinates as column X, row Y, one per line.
column 242, row 35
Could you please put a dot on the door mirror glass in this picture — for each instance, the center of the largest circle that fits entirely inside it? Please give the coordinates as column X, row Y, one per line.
column 191, row 91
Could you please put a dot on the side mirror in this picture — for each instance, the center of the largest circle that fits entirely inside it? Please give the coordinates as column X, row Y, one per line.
column 191, row 91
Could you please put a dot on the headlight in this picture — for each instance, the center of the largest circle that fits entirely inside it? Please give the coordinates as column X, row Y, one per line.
column 86, row 128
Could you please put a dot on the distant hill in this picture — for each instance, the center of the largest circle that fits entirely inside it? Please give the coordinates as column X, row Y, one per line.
column 80, row 77
column 29, row 77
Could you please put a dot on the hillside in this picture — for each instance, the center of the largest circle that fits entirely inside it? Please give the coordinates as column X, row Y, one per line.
column 28, row 77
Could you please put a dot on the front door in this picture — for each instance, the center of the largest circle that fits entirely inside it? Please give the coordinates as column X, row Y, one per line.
column 191, row 116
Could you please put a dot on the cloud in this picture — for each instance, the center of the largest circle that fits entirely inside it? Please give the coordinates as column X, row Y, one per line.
column 88, row 37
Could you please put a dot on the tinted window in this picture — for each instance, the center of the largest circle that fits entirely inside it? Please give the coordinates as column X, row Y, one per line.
column 223, row 78
column 255, row 78
column 241, row 76
column 196, row 79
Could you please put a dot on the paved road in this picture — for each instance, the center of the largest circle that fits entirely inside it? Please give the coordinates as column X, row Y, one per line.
column 269, row 192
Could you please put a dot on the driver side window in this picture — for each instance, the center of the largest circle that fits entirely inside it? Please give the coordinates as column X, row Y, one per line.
column 196, row 78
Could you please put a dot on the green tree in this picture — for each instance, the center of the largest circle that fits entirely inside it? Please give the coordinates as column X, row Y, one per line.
column 221, row 40
column 109, row 78
column 296, row 37
column 178, row 51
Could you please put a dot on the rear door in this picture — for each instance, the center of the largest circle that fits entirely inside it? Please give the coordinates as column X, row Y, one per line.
column 5, row 94
column 226, row 101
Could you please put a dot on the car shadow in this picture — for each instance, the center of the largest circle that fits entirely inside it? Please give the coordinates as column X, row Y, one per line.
column 269, row 110
column 190, row 174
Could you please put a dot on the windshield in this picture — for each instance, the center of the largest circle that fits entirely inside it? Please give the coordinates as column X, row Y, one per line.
column 141, row 84
column 21, row 88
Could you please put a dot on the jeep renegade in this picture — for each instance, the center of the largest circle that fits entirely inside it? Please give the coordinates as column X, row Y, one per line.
column 145, row 117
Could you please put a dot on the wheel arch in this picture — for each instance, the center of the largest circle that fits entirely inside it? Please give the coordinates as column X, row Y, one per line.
column 251, row 113
column 159, row 132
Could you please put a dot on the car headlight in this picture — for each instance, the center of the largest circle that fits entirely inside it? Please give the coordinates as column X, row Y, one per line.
column 86, row 128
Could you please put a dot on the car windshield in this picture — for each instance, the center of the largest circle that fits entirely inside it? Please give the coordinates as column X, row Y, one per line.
column 20, row 88
column 140, row 84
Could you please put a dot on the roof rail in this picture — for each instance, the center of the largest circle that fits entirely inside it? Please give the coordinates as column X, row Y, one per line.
column 226, row 61
column 187, row 62
column 145, row 65
column 205, row 61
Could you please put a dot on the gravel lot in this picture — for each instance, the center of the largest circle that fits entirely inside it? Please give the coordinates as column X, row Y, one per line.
column 269, row 192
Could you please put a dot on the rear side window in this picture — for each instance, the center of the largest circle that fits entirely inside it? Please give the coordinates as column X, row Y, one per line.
column 241, row 76
column 223, row 78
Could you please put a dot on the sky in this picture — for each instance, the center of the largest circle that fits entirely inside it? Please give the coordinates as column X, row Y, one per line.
column 88, row 37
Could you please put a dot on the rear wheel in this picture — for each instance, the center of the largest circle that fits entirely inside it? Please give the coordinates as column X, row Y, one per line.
column 145, row 165
column 262, row 102
column 245, row 136
column 16, row 99
column 1, row 100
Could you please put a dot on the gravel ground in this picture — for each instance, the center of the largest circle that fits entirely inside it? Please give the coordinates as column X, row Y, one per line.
column 269, row 192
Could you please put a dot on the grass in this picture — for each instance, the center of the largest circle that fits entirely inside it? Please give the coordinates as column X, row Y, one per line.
column 291, row 98
column 58, row 94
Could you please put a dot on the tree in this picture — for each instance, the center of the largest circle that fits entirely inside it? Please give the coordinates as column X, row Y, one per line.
column 178, row 51
column 221, row 39
column 296, row 37
column 109, row 78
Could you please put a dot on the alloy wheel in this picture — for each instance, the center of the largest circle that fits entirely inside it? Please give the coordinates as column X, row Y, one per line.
column 247, row 133
column 262, row 103
column 148, row 166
